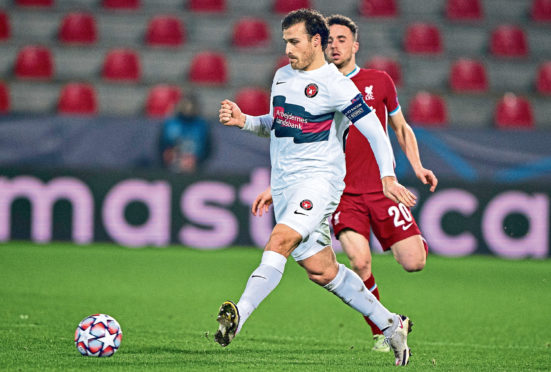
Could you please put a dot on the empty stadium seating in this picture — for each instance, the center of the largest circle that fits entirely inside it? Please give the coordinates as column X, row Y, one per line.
column 33, row 3
column 251, row 32
column 165, row 31
column 513, row 112
column 5, row 29
column 467, row 75
column 389, row 65
column 427, row 109
column 253, row 101
column 211, row 6
column 34, row 62
column 378, row 8
column 541, row 10
column 121, row 4
column 286, row 6
column 508, row 41
column 464, row 10
column 423, row 38
column 543, row 79
column 4, row 98
column 428, row 45
column 77, row 98
column 162, row 99
column 209, row 68
column 122, row 65
column 78, row 27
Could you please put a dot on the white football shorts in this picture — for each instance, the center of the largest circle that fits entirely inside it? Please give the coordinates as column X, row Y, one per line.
column 306, row 207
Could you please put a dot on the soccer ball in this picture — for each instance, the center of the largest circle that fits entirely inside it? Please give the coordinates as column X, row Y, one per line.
column 98, row 335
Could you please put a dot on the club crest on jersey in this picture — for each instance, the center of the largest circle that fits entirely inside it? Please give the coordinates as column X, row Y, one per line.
column 311, row 90
column 306, row 204
column 369, row 93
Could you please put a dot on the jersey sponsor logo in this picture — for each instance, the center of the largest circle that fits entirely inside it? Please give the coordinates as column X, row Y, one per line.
column 280, row 82
column 311, row 90
column 299, row 212
column 306, row 204
column 357, row 109
column 294, row 121
column 369, row 93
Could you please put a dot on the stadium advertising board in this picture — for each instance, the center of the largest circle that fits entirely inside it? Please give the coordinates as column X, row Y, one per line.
column 157, row 209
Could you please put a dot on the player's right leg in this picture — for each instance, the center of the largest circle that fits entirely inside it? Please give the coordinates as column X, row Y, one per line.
column 261, row 283
column 351, row 224
column 411, row 252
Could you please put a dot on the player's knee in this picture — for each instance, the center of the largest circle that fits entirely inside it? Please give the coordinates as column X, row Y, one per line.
column 281, row 243
column 414, row 263
column 323, row 277
column 362, row 267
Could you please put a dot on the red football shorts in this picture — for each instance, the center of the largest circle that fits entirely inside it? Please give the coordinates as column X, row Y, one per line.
column 390, row 222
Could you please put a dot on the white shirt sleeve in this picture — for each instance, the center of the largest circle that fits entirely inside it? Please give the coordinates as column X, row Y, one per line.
column 351, row 103
column 259, row 125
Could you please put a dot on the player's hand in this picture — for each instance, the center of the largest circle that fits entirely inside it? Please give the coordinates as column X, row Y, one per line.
column 262, row 202
column 230, row 114
column 427, row 177
column 397, row 193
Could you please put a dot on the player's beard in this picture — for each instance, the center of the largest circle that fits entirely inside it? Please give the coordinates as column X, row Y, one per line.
column 306, row 60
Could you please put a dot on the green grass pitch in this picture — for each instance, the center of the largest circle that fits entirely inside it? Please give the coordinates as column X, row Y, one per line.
column 471, row 314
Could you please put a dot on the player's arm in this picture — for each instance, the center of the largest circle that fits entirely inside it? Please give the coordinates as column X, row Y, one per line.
column 262, row 202
column 408, row 143
column 370, row 126
column 230, row 115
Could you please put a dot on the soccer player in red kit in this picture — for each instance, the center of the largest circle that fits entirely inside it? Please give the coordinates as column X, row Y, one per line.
column 363, row 206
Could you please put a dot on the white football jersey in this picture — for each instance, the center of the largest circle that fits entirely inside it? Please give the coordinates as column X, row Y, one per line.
column 308, row 125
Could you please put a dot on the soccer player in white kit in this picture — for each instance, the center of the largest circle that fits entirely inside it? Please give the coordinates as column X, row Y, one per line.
column 310, row 100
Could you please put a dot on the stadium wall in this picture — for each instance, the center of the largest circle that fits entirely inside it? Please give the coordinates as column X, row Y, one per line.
column 152, row 208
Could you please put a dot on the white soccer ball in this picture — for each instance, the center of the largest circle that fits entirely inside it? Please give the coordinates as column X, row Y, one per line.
column 98, row 335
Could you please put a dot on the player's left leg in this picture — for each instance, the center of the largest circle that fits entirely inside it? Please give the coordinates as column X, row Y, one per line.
column 411, row 253
column 323, row 269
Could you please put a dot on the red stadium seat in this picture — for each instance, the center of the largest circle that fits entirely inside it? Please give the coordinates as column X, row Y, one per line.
column 121, row 4
column 467, row 75
column 77, row 98
column 286, row 6
column 78, row 27
column 4, row 99
column 5, row 29
column 389, row 65
column 253, row 101
column 41, row 3
column 34, row 62
column 543, row 80
column 209, row 68
column 251, row 32
column 423, row 38
column 513, row 112
column 162, row 99
column 211, row 6
column 428, row 109
column 541, row 10
column 378, row 8
column 464, row 10
column 165, row 31
column 122, row 65
column 508, row 41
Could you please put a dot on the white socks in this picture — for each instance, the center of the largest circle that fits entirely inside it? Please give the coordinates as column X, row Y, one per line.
column 261, row 282
column 348, row 286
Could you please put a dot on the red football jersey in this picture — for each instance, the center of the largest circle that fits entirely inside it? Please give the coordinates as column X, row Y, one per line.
column 379, row 91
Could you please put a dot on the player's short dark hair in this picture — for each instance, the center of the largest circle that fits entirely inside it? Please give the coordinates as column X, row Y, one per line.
column 313, row 20
column 339, row 19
